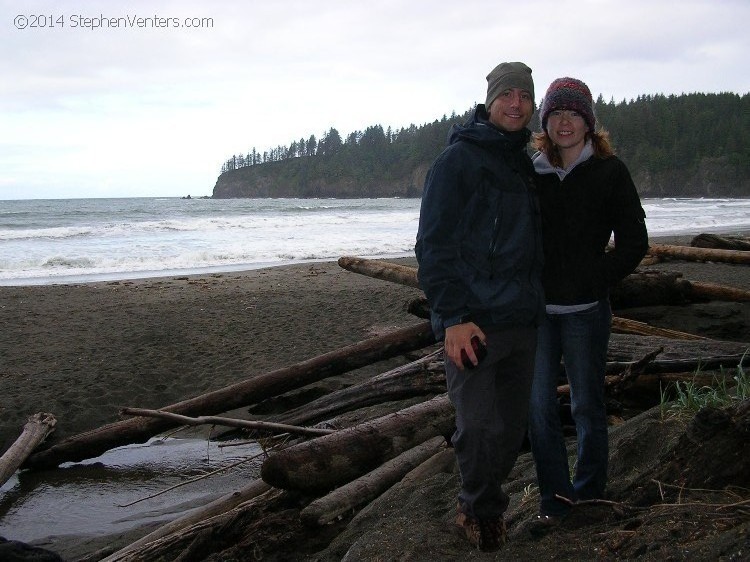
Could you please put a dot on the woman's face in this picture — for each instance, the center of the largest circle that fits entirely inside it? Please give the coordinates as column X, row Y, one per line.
column 566, row 129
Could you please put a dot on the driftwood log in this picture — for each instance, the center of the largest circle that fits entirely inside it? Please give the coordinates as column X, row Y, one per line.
column 417, row 378
column 684, row 365
column 689, row 253
column 420, row 308
column 216, row 508
column 654, row 383
column 442, row 461
column 187, row 538
column 266, row 426
column 705, row 240
column 643, row 288
column 369, row 486
column 649, row 359
column 624, row 380
column 326, row 462
column 95, row 442
column 625, row 348
column 650, row 288
column 36, row 430
column 194, row 541
column 627, row 326
column 400, row 274
column 714, row 291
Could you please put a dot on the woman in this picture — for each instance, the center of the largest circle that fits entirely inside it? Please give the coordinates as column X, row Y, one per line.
column 586, row 195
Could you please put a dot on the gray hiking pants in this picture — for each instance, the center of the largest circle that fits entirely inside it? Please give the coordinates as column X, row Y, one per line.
column 492, row 405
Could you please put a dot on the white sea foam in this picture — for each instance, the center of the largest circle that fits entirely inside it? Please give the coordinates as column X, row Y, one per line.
column 54, row 241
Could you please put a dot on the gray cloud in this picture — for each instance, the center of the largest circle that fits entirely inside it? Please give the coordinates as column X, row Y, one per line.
column 135, row 104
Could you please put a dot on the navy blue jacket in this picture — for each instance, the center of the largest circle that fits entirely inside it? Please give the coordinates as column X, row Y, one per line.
column 479, row 244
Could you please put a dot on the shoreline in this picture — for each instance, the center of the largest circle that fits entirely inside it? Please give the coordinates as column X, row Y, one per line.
column 170, row 273
column 674, row 239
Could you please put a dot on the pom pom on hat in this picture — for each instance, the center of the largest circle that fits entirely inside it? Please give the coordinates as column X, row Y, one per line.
column 572, row 94
column 508, row 75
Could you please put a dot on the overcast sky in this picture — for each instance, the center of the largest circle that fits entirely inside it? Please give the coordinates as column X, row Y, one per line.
column 124, row 111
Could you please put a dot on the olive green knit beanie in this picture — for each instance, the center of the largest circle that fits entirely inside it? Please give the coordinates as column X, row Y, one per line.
column 508, row 75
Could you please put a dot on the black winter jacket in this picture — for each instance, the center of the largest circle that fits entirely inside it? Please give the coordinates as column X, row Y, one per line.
column 479, row 241
column 579, row 215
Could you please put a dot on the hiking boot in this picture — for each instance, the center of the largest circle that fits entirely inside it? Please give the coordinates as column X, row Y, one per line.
column 488, row 535
column 542, row 524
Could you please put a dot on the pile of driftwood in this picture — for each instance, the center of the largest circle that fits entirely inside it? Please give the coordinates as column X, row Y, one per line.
column 342, row 467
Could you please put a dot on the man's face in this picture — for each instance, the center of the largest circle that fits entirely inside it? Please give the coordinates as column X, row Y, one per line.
column 512, row 109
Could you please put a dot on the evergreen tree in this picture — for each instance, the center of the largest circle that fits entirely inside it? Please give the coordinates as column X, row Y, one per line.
column 691, row 144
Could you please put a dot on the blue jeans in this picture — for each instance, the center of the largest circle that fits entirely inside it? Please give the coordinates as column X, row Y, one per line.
column 492, row 403
column 580, row 339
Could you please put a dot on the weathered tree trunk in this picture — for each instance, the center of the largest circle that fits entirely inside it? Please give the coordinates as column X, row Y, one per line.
column 216, row 508
column 649, row 260
column 333, row 460
column 36, row 430
column 628, row 347
column 95, row 442
column 714, row 291
column 689, row 253
column 194, row 541
column 650, row 288
column 369, row 486
column 414, row 379
column 442, row 461
column 420, row 308
column 705, row 240
column 626, row 326
column 624, row 380
column 677, row 355
column 230, row 422
column 683, row 365
column 637, row 289
column 401, row 274
column 656, row 382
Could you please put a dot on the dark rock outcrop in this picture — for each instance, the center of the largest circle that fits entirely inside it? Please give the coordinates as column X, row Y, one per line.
column 291, row 178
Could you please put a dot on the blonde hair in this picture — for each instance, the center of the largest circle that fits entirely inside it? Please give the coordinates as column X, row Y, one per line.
column 599, row 140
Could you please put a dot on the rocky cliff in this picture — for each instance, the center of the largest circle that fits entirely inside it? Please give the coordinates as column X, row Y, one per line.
column 715, row 179
column 290, row 179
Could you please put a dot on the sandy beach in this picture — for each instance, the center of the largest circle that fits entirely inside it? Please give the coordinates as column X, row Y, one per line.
column 84, row 351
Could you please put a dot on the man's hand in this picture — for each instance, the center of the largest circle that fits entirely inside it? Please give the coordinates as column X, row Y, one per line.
column 458, row 337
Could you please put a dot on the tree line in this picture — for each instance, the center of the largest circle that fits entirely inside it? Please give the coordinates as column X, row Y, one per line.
column 407, row 144
column 689, row 144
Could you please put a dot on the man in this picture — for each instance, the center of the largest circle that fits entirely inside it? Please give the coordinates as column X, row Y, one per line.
column 480, row 260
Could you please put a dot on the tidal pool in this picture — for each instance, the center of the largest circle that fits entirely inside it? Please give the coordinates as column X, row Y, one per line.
column 110, row 494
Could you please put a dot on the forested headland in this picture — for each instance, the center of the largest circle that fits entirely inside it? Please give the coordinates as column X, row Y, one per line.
column 691, row 145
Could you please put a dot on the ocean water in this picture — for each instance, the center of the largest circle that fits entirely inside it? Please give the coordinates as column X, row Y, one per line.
column 78, row 240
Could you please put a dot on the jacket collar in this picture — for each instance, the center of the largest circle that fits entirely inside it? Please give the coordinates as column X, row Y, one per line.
column 542, row 164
